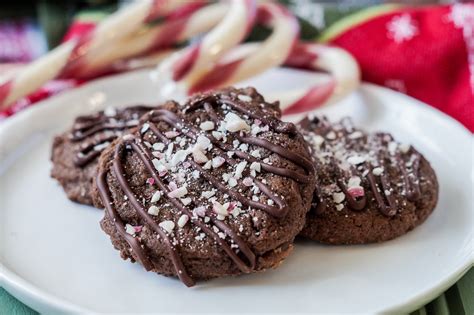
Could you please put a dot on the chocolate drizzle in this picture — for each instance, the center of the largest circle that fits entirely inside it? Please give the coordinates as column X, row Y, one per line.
column 332, row 153
column 244, row 258
column 382, row 195
column 97, row 131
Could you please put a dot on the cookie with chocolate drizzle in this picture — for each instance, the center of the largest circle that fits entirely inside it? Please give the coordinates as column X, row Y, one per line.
column 75, row 153
column 370, row 188
column 219, row 186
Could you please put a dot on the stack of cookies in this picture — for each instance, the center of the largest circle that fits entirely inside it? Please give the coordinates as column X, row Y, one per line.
column 221, row 186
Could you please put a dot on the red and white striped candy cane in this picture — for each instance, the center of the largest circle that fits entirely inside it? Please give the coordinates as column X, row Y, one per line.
column 56, row 62
column 248, row 60
column 150, row 40
column 189, row 65
column 338, row 63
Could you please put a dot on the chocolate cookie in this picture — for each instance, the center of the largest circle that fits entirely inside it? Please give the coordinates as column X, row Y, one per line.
column 75, row 153
column 219, row 186
column 370, row 188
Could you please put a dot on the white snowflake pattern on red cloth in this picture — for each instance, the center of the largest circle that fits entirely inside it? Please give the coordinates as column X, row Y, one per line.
column 462, row 16
column 402, row 28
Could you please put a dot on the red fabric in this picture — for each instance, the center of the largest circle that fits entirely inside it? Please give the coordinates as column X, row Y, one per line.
column 428, row 62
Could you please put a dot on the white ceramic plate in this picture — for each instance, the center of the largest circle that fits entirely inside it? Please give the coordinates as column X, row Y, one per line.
column 55, row 258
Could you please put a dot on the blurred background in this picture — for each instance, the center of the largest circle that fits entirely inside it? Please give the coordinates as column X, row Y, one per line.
column 396, row 43
column 28, row 28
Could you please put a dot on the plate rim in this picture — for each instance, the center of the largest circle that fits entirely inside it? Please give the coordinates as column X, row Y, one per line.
column 38, row 299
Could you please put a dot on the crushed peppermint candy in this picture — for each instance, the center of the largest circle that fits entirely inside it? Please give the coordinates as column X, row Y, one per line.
column 244, row 98
column 318, row 140
column 218, row 135
column 179, row 157
column 239, row 169
column 171, row 134
column 199, row 156
column 156, row 196
column 168, row 226
column 208, row 193
column 244, row 147
column 218, row 161
column 172, row 185
column 133, row 230
column 255, row 130
column 183, row 220
column 247, row 181
column 356, row 191
column 178, row 192
column 207, row 125
column 232, row 182
column 392, row 147
column 158, row 146
column 404, row 147
column 235, row 211
column 160, row 167
column 377, row 171
column 226, row 177
column 200, row 211
column 153, row 210
column 220, row 209
column 356, row 159
column 208, row 165
column 256, row 154
column 356, row 135
column 331, row 135
column 186, row 201
column 234, row 123
column 129, row 229
column 354, row 181
column 169, row 150
column 145, row 127
column 255, row 166
column 157, row 154
column 203, row 142
column 195, row 174
column 338, row 197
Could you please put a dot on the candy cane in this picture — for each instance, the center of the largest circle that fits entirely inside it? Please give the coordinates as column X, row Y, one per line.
column 343, row 68
column 192, row 63
column 281, row 47
column 54, row 63
column 339, row 64
column 173, row 30
column 256, row 58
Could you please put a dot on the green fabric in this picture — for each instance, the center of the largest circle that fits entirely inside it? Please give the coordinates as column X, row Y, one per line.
column 457, row 300
column 349, row 21
column 11, row 306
